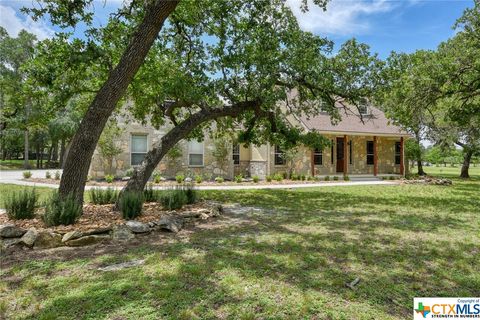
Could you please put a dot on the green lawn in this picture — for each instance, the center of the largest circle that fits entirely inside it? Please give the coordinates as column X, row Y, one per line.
column 289, row 262
column 15, row 164
column 5, row 189
column 448, row 171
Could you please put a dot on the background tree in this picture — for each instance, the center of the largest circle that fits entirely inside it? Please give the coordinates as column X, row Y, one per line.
column 108, row 146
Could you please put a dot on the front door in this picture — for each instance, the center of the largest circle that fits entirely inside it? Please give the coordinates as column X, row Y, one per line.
column 340, row 155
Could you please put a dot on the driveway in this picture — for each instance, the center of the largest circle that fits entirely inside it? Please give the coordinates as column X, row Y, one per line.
column 16, row 177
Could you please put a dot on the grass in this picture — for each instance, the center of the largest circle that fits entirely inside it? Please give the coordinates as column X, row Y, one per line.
column 290, row 261
column 448, row 171
column 6, row 189
column 16, row 164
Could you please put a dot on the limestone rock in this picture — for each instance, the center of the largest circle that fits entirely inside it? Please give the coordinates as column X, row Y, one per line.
column 122, row 233
column 170, row 224
column 10, row 242
column 122, row 265
column 137, row 227
column 87, row 240
column 11, row 231
column 71, row 235
column 47, row 239
column 30, row 237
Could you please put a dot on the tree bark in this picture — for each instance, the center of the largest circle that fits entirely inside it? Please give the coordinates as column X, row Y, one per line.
column 141, row 175
column 420, row 168
column 466, row 164
column 85, row 140
column 26, row 162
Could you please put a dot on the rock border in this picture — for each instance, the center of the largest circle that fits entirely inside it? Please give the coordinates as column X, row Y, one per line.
column 12, row 236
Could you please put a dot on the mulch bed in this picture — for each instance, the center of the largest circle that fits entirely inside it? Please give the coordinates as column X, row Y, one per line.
column 101, row 216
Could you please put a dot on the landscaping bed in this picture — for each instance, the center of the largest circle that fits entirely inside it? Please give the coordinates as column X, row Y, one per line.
column 100, row 223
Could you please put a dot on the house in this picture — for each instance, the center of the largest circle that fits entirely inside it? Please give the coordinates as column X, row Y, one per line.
column 362, row 143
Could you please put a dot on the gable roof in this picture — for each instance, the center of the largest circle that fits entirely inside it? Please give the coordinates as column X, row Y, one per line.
column 375, row 123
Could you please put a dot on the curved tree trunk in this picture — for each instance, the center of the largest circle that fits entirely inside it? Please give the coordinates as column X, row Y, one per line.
column 466, row 164
column 85, row 140
column 141, row 175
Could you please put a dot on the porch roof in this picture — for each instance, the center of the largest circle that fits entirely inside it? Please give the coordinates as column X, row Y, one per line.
column 375, row 123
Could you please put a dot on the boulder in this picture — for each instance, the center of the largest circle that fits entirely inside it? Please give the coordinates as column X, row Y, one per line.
column 30, row 237
column 11, row 231
column 87, row 240
column 188, row 179
column 122, row 233
column 48, row 239
column 100, row 230
column 170, row 224
column 71, row 235
column 10, row 242
column 137, row 227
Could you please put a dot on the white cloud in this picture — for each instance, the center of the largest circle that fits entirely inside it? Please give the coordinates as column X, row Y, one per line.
column 343, row 17
column 14, row 23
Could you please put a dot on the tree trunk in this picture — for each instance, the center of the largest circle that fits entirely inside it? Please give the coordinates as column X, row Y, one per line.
column 466, row 164
column 26, row 162
column 85, row 140
column 141, row 175
column 62, row 153
column 420, row 168
column 37, row 152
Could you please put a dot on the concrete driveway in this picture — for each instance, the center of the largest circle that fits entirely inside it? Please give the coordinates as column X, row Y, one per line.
column 16, row 177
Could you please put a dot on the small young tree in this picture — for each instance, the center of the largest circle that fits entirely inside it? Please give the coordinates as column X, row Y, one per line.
column 221, row 150
column 109, row 148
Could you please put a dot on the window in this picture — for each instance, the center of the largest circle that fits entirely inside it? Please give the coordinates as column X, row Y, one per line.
column 350, row 152
column 317, row 157
column 279, row 156
column 236, row 154
column 138, row 149
column 195, row 153
column 370, row 155
column 398, row 152
column 363, row 107
column 332, row 150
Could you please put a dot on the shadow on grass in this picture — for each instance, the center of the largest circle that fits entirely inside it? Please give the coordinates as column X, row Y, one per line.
column 291, row 262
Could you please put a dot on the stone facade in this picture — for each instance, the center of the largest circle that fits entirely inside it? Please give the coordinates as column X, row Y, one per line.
column 254, row 160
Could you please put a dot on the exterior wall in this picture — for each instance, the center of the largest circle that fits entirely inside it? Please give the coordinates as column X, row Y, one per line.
column 385, row 158
column 168, row 168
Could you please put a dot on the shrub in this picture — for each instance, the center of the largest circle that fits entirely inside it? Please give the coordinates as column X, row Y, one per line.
column 256, row 179
column 173, row 199
column 335, row 178
column 103, row 196
column 316, row 178
column 346, row 178
column 302, row 177
column 327, row 178
column 238, row 178
column 60, row 211
column 48, row 175
column 129, row 173
column 219, row 179
column 57, row 175
column 198, row 179
column 191, row 194
column 27, row 174
column 131, row 204
column 294, row 177
column 157, row 177
column 268, row 178
column 150, row 194
column 391, row 178
column 310, row 178
column 180, row 178
column 278, row 177
column 21, row 205
column 284, row 175
column 109, row 178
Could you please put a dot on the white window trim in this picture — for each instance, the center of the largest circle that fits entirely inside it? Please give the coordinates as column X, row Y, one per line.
column 131, row 145
column 236, row 146
column 318, row 153
column 275, row 153
column 203, row 155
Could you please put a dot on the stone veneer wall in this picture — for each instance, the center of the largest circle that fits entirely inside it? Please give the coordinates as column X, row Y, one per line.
column 385, row 151
column 211, row 168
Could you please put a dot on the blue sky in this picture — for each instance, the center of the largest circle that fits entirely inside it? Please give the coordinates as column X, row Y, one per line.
column 386, row 25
